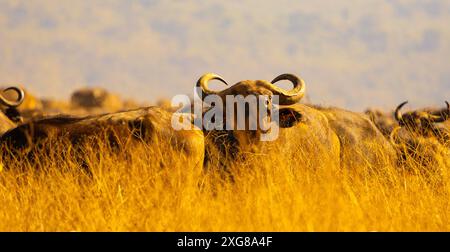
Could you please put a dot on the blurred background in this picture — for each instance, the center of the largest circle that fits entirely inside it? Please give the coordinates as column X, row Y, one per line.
column 353, row 54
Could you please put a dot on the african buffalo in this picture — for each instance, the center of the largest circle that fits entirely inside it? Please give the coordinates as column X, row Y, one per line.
column 361, row 142
column 96, row 99
column 425, row 123
column 10, row 116
column 150, row 126
column 312, row 133
column 421, row 141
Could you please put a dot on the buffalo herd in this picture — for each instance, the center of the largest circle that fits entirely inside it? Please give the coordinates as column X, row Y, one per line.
column 339, row 137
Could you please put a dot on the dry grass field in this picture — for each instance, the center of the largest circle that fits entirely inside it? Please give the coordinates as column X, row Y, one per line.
column 91, row 66
column 152, row 189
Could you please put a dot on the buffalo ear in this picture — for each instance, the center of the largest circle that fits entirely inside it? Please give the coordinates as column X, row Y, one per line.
column 289, row 117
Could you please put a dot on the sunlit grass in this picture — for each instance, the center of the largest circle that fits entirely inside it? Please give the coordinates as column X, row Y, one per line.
column 156, row 189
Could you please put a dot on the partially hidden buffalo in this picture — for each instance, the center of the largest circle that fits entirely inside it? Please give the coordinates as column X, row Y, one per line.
column 424, row 123
column 362, row 143
column 30, row 106
column 96, row 99
column 10, row 116
column 307, row 134
column 422, row 140
column 150, row 126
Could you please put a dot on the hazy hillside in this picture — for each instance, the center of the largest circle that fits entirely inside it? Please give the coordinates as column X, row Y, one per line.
column 353, row 53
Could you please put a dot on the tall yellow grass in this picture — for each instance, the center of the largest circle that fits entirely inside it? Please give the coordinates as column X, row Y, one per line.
column 156, row 189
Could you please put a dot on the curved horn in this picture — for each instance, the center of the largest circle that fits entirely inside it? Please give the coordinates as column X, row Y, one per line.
column 398, row 116
column 444, row 115
column 448, row 109
column 20, row 97
column 292, row 96
column 202, row 83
